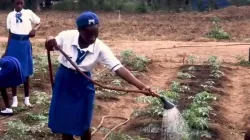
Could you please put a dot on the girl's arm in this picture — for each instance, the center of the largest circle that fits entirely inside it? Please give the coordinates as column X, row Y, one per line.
column 33, row 31
column 7, row 44
column 125, row 74
column 36, row 20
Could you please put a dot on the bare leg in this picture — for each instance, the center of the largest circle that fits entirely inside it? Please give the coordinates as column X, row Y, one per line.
column 14, row 93
column 27, row 92
column 67, row 137
column 5, row 97
column 87, row 135
column 26, row 87
column 8, row 110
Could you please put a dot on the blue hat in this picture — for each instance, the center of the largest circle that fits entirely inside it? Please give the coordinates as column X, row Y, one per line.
column 87, row 19
column 10, row 72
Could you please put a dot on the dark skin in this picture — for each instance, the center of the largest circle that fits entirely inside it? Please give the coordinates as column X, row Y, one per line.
column 88, row 36
column 5, row 97
column 19, row 5
column 247, row 135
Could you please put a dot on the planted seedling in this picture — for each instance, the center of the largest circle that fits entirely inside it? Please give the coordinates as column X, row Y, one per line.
column 191, row 59
column 184, row 75
column 155, row 107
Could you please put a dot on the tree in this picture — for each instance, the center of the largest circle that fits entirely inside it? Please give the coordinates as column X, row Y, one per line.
column 34, row 5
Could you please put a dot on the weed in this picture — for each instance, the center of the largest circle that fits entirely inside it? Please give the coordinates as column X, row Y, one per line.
column 41, row 98
column 31, row 125
column 136, row 63
column 191, row 59
column 217, row 32
column 41, row 63
column 242, row 61
column 33, row 118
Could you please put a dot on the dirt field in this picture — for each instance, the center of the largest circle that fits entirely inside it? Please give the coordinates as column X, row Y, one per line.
column 166, row 39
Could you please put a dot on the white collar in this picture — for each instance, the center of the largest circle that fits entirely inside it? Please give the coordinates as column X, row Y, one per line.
column 90, row 48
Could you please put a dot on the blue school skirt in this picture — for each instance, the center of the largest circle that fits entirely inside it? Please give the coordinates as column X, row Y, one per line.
column 20, row 47
column 72, row 103
column 10, row 72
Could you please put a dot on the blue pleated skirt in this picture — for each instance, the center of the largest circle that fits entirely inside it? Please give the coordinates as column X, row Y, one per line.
column 72, row 103
column 20, row 47
column 10, row 72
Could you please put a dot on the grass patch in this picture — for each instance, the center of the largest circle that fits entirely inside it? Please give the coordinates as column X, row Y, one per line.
column 242, row 61
column 133, row 61
column 31, row 125
column 217, row 32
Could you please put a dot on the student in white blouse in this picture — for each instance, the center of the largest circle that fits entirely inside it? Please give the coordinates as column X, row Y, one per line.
column 73, row 95
column 19, row 24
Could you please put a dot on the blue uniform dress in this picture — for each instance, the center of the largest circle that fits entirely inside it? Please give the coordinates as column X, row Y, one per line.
column 10, row 72
column 72, row 101
column 20, row 47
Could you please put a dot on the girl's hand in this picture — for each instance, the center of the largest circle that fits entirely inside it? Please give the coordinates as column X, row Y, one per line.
column 32, row 33
column 50, row 43
column 150, row 92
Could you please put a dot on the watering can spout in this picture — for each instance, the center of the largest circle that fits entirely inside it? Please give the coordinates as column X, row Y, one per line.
column 167, row 105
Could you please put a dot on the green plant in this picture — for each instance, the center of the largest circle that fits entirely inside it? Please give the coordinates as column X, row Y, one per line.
column 217, row 32
column 197, row 115
column 155, row 107
column 136, row 63
column 41, row 98
column 184, row 75
column 191, row 68
column 176, row 87
column 41, row 63
column 17, row 127
column 33, row 118
column 213, row 61
column 191, row 59
column 242, row 61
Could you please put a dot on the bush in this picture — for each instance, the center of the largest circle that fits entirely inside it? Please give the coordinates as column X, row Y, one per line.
column 105, row 5
column 65, row 5
column 217, row 32
column 134, row 62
